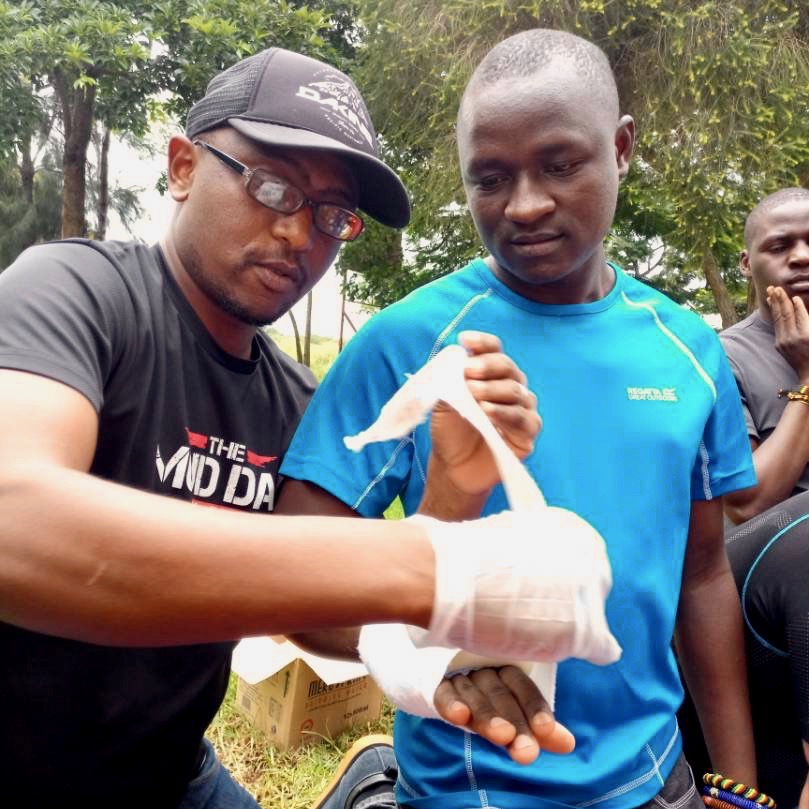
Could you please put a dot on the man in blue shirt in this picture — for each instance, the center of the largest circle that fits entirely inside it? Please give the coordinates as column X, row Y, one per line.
column 642, row 435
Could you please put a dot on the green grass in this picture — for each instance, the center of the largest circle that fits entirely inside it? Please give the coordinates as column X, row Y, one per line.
column 322, row 350
column 290, row 779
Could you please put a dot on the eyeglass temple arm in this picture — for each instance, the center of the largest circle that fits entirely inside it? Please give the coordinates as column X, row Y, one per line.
column 225, row 158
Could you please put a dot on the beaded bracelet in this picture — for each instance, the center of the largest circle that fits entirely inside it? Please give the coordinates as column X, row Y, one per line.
column 718, row 780
column 730, row 797
column 799, row 395
column 715, row 803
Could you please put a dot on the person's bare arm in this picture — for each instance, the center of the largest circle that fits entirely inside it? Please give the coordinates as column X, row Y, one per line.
column 779, row 462
column 709, row 619
column 782, row 458
column 304, row 497
column 96, row 561
column 803, row 803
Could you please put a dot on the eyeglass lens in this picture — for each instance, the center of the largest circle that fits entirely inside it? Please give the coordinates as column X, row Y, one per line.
column 283, row 197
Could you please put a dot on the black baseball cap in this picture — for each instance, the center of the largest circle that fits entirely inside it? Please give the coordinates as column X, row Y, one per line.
column 283, row 98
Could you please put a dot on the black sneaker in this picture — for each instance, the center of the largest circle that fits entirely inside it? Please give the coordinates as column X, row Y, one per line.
column 366, row 773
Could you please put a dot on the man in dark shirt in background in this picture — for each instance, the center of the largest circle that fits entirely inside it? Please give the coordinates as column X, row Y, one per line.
column 769, row 552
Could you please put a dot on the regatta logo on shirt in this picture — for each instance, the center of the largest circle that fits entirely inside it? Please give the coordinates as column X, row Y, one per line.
column 214, row 469
column 652, row 394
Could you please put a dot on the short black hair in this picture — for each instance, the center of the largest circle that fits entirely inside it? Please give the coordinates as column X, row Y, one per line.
column 527, row 52
column 769, row 203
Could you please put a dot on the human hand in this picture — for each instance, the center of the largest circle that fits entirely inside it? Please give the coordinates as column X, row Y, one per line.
column 791, row 323
column 505, row 707
column 521, row 585
column 499, row 386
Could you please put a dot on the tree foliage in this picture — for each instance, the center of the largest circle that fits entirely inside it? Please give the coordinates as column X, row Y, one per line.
column 119, row 65
column 719, row 88
column 200, row 38
column 30, row 208
column 89, row 56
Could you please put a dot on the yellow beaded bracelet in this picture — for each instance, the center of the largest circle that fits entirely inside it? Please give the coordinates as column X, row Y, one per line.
column 718, row 780
column 799, row 395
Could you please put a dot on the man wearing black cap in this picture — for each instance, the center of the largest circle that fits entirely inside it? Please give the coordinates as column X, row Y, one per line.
column 128, row 371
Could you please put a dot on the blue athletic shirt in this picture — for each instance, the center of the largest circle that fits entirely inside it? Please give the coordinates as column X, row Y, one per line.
column 641, row 415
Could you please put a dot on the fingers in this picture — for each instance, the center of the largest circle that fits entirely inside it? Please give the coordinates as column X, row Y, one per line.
column 480, row 342
column 512, row 409
column 801, row 315
column 506, row 708
column 496, row 715
column 519, row 426
column 481, row 717
column 450, row 706
column 791, row 325
column 789, row 315
column 781, row 308
column 486, row 358
column 499, row 386
column 550, row 734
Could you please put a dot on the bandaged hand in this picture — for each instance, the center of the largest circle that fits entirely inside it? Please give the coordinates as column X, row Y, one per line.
column 516, row 586
column 527, row 585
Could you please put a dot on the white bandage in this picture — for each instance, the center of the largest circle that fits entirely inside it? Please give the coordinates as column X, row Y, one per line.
column 527, row 585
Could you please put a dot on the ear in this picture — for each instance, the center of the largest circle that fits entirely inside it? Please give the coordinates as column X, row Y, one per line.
column 624, row 144
column 744, row 264
column 182, row 165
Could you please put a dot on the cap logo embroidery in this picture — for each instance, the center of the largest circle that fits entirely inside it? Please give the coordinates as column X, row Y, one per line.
column 342, row 107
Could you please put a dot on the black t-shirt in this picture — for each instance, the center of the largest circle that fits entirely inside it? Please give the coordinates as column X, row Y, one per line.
column 101, row 726
column 760, row 371
column 769, row 556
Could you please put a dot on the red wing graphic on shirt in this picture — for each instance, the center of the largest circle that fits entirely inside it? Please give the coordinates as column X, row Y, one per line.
column 259, row 460
column 219, row 472
column 198, row 440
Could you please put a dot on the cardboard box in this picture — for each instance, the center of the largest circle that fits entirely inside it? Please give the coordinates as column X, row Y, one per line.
column 295, row 697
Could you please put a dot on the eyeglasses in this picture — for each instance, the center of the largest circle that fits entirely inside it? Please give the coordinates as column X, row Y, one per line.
column 285, row 198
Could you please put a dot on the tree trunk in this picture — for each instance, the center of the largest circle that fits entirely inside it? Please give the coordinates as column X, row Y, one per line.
column 307, row 343
column 78, row 106
column 103, row 186
column 27, row 172
column 297, row 337
column 342, row 320
column 716, row 284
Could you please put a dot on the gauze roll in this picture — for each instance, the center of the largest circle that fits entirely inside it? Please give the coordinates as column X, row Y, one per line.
column 524, row 587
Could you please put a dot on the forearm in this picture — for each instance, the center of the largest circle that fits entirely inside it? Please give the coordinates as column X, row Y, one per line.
column 440, row 500
column 779, row 462
column 95, row 561
column 803, row 803
column 710, row 645
column 303, row 497
column 339, row 643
